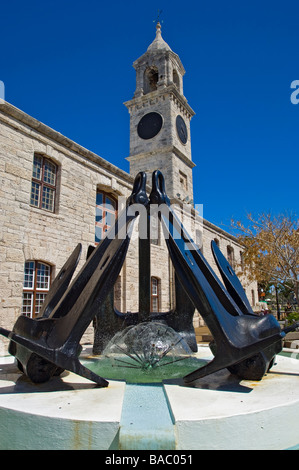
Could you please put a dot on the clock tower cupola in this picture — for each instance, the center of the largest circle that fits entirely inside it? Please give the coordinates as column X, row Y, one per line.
column 160, row 119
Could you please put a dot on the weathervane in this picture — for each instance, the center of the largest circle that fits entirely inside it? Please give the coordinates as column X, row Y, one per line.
column 157, row 20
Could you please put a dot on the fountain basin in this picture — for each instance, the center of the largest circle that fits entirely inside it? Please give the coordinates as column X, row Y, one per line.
column 148, row 352
column 108, row 368
column 216, row 412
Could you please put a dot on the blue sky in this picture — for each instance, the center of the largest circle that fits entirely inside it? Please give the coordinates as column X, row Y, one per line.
column 69, row 65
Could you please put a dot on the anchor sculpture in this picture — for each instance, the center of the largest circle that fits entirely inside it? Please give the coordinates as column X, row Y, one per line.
column 244, row 343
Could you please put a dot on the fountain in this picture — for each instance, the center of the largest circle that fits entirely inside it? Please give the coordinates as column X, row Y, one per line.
column 147, row 385
column 149, row 352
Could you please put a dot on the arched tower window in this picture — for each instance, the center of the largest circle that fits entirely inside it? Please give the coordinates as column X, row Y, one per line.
column 151, row 77
column 176, row 79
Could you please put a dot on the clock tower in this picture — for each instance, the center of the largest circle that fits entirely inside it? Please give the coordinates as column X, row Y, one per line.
column 160, row 119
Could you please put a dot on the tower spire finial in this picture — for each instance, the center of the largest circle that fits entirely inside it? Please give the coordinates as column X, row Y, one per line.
column 157, row 20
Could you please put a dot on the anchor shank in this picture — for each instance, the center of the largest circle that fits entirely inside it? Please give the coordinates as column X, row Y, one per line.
column 145, row 276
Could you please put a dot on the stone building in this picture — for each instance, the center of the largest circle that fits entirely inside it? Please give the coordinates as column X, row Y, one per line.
column 55, row 193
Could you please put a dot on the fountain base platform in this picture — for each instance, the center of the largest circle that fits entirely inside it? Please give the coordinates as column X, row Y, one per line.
column 219, row 411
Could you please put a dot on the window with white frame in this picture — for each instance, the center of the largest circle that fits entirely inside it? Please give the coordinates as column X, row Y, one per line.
column 155, row 294
column 43, row 184
column 37, row 280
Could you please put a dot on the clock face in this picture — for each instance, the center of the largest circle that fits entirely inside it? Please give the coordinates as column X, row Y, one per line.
column 181, row 129
column 149, row 125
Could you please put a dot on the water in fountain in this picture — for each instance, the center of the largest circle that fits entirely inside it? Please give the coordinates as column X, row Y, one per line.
column 147, row 352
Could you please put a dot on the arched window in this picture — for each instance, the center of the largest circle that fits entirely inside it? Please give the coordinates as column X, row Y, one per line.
column 151, row 77
column 106, row 210
column 216, row 241
column 176, row 79
column 155, row 294
column 37, row 280
column 231, row 256
column 44, row 183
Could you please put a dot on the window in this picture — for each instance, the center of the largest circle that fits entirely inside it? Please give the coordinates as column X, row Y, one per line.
column 106, row 210
column 151, row 78
column 37, row 279
column 183, row 181
column 231, row 256
column 43, row 185
column 155, row 294
column 176, row 79
column 216, row 241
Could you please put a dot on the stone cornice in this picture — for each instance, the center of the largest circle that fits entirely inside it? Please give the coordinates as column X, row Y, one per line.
column 158, row 94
